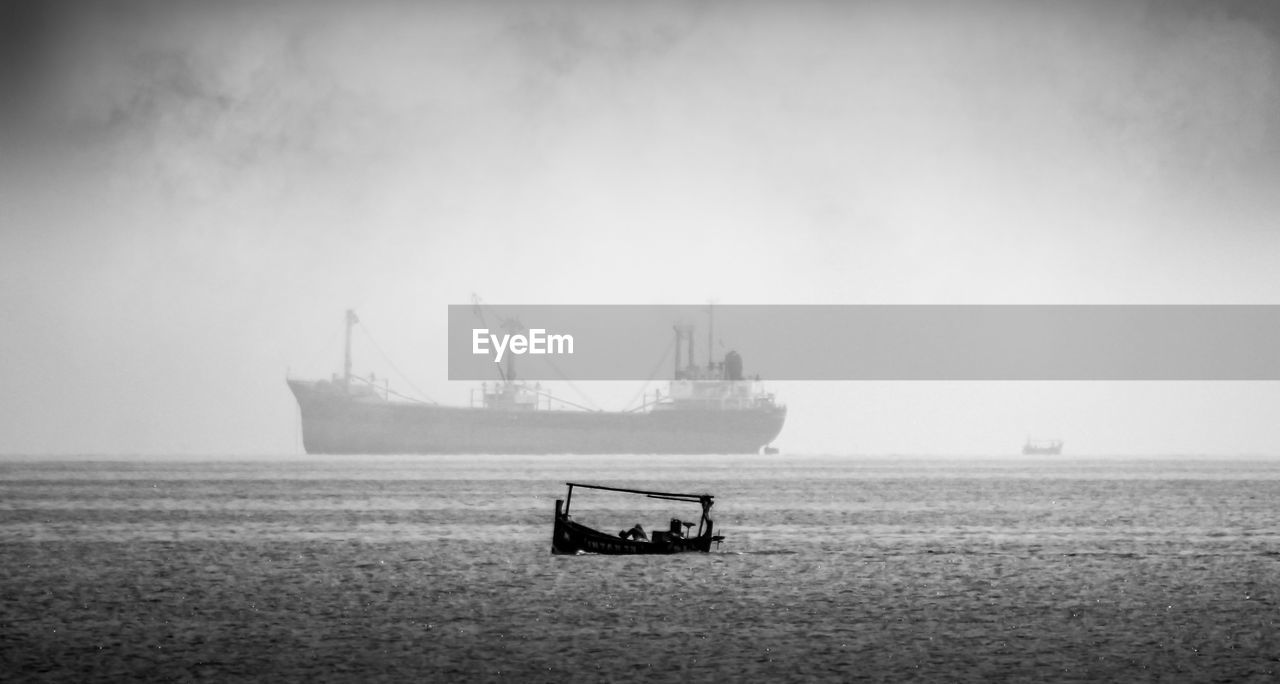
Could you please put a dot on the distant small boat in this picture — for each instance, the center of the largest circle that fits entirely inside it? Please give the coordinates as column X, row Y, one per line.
column 1048, row 447
column 570, row 537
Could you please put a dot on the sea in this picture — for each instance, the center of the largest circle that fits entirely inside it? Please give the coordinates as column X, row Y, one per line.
column 833, row 568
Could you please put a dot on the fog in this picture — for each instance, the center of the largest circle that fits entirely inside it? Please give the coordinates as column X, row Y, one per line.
column 192, row 193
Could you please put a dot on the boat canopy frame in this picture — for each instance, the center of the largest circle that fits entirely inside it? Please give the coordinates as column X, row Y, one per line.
column 705, row 500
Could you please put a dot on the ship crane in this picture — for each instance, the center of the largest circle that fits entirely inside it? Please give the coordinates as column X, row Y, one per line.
column 351, row 320
column 514, row 326
column 511, row 326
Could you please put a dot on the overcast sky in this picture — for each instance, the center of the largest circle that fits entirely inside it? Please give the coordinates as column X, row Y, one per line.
column 192, row 193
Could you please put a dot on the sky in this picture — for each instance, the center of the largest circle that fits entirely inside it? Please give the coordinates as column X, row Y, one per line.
column 192, row 193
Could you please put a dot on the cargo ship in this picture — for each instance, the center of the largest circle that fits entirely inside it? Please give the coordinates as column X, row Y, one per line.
column 710, row 408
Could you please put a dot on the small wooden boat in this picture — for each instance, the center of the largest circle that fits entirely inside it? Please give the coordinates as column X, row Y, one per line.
column 1051, row 447
column 569, row 536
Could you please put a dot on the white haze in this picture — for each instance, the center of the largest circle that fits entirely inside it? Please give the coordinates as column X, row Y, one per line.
column 194, row 192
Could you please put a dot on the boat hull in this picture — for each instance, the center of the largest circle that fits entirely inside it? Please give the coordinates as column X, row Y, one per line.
column 335, row 423
column 569, row 537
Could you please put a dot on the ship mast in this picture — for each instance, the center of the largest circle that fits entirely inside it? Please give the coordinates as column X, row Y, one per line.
column 513, row 327
column 684, row 337
column 346, row 359
column 711, row 330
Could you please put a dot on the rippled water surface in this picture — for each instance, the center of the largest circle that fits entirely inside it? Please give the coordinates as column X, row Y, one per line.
column 299, row 568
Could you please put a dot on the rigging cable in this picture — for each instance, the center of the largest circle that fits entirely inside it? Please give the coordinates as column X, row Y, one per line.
column 582, row 395
column 387, row 360
column 478, row 306
column 652, row 374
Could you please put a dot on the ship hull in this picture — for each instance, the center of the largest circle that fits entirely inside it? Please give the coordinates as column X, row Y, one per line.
column 334, row 423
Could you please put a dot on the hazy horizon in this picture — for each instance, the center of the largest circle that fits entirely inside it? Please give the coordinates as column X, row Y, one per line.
column 191, row 194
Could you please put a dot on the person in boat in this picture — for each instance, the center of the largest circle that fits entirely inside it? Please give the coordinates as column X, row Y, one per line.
column 636, row 533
